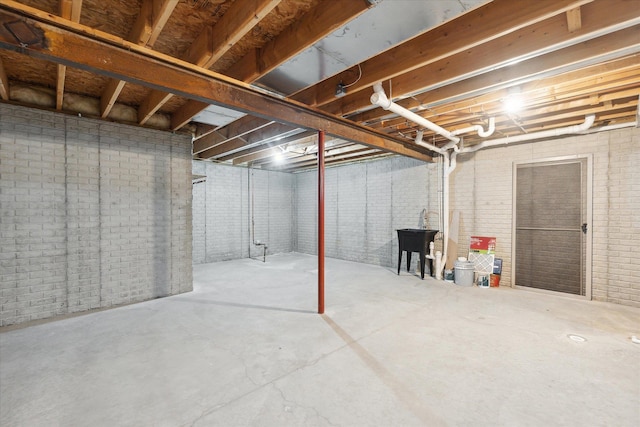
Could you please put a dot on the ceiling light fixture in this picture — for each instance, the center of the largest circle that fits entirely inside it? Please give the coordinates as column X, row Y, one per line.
column 513, row 104
column 278, row 158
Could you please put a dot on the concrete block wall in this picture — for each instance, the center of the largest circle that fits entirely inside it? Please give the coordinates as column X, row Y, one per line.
column 364, row 205
column 482, row 192
column 93, row 214
column 223, row 224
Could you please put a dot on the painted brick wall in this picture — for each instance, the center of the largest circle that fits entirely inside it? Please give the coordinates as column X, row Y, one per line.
column 222, row 217
column 482, row 192
column 93, row 214
column 364, row 205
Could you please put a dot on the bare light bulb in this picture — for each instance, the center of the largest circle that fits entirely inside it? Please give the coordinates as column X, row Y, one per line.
column 513, row 104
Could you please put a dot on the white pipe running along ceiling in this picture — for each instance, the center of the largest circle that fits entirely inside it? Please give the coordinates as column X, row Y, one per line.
column 450, row 151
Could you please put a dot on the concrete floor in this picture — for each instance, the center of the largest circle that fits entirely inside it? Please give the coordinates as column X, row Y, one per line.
column 246, row 348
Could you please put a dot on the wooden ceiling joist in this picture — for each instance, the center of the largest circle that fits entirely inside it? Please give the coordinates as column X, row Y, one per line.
column 504, row 51
column 63, row 42
column 263, row 135
column 552, row 100
column 212, row 43
column 479, row 26
column 574, row 19
column 549, row 87
column 526, row 71
column 259, row 152
column 327, row 16
column 153, row 16
column 236, row 129
column 4, row 82
column 69, row 9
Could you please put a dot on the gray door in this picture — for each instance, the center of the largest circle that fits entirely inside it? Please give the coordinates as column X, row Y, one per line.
column 551, row 226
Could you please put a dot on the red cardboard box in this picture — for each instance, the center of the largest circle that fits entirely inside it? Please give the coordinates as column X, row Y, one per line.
column 482, row 245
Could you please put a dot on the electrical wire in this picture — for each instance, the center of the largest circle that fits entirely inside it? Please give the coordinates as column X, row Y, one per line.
column 357, row 80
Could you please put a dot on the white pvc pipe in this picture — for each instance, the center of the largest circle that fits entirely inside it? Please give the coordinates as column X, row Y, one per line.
column 588, row 122
column 380, row 99
column 420, row 142
column 449, row 158
column 475, row 128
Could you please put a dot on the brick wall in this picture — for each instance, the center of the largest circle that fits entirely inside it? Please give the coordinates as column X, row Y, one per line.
column 93, row 214
column 364, row 205
column 482, row 192
column 222, row 212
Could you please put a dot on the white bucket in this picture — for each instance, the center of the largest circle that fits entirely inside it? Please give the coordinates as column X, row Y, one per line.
column 463, row 273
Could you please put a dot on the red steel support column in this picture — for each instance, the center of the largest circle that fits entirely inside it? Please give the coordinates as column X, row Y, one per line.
column 320, row 222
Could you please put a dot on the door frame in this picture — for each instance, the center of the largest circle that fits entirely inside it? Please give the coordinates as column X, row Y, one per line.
column 587, row 268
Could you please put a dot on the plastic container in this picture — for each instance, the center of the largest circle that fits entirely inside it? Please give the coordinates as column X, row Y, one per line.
column 483, row 280
column 495, row 280
column 463, row 273
column 448, row 275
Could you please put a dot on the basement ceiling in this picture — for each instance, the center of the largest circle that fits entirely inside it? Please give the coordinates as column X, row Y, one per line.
column 252, row 80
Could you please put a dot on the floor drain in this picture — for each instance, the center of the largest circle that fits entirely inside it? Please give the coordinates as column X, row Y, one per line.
column 576, row 338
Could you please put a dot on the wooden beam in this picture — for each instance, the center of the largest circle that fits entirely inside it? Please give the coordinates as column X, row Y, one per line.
column 152, row 103
column 566, row 91
column 64, row 42
column 329, row 153
column 110, row 95
column 214, row 42
column 241, row 17
column 507, row 50
column 62, row 72
column 357, row 153
column 265, row 134
column 551, row 86
column 152, row 18
column 254, row 153
column 69, row 9
column 185, row 113
column 574, row 19
column 236, row 129
column 4, row 82
column 476, row 27
column 323, row 19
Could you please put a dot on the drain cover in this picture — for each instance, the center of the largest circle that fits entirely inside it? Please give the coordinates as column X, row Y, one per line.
column 576, row 338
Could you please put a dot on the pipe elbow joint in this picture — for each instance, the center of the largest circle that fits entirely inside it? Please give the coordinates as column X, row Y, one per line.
column 492, row 127
column 380, row 100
